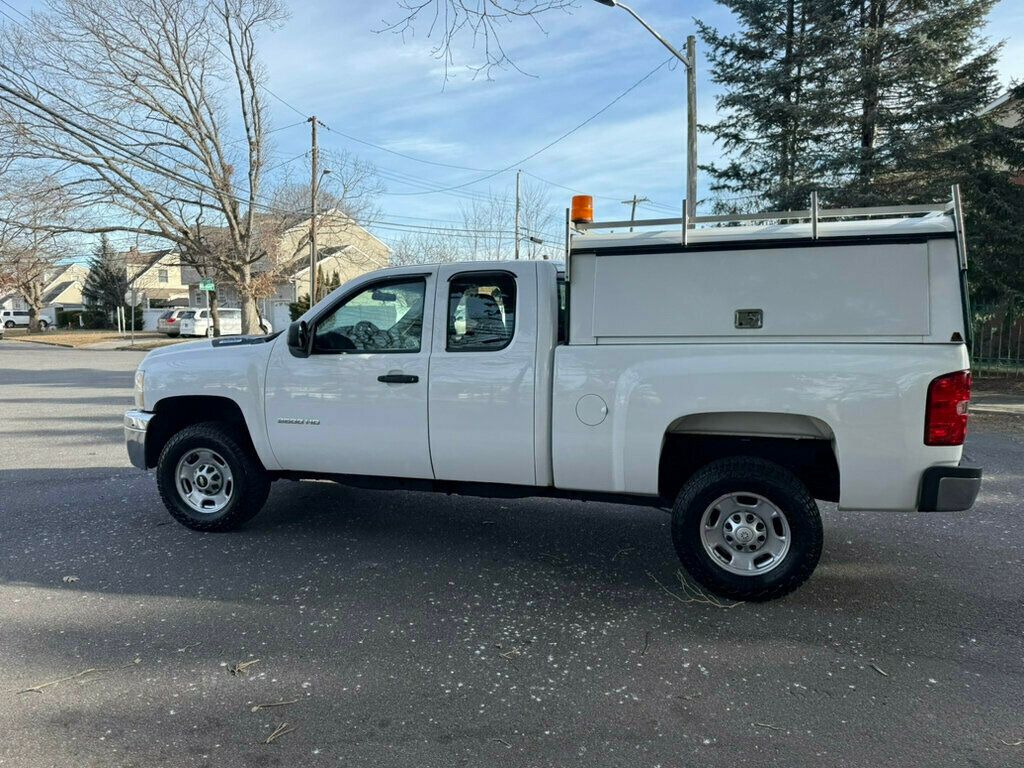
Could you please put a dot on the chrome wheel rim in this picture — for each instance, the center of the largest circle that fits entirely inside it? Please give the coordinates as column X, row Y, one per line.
column 204, row 481
column 745, row 534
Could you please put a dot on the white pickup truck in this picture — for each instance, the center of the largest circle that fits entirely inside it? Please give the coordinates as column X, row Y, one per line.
column 733, row 373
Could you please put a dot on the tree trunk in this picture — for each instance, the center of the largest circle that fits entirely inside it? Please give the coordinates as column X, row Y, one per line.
column 214, row 312
column 250, row 316
column 873, row 16
column 34, row 298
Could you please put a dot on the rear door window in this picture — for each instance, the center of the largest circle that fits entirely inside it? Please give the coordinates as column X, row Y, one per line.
column 481, row 311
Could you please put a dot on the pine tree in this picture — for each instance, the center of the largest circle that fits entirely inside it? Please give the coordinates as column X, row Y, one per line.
column 105, row 287
column 917, row 74
column 872, row 102
column 779, row 99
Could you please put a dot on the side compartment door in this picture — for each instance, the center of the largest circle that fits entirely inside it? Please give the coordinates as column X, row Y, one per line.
column 482, row 374
column 358, row 404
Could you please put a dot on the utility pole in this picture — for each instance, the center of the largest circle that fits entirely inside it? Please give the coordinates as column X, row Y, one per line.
column 691, row 127
column 636, row 200
column 518, row 175
column 313, row 184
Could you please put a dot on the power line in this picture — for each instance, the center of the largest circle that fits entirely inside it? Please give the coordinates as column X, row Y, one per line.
column 406, row 156
column 9, row 17
column 16, row 10
column 561, row 138
column 597, row 197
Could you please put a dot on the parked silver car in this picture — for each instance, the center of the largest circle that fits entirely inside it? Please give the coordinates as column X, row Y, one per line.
column 170, row 322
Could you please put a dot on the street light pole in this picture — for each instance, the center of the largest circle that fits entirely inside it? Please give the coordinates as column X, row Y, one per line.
column 313, row 184
column 690, row 62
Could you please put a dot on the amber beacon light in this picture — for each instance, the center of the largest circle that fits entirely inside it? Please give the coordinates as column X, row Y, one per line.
column 582, row 209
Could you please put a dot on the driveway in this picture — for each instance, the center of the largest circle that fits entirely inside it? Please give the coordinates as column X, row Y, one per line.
column 423, row 630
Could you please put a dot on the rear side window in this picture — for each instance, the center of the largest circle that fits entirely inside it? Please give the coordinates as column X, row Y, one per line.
column 481, row 311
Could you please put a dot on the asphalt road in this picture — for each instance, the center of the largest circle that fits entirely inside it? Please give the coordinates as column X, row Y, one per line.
column 420, row 630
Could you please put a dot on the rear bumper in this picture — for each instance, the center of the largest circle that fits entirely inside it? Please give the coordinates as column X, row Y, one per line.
column 136, row 423
column 949, row 489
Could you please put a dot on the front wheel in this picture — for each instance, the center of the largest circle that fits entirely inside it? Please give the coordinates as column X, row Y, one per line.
column 9, row 324
column 209, row 480
column 43, row 325
column 747, row 529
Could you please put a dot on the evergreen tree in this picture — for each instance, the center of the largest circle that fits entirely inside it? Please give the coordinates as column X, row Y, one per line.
column 107, row 282
column 872, row 102
column 914, row 77
column 779, row 100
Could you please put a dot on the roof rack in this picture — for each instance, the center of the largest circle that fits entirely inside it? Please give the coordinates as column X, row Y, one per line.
column 814, row 215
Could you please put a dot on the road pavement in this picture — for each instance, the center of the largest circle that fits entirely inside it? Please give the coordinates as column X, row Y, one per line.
column 423, row 630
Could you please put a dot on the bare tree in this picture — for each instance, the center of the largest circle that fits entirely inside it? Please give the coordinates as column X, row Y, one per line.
column 539, row 223
column 427, row 247
column 487, row 231
column 127, row 103
column 481, row 23
column 29, row 256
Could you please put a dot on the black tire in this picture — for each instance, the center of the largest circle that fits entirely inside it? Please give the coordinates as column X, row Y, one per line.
column 43, row 325
column 250, row 484
column 9, row 324
column 747, row 475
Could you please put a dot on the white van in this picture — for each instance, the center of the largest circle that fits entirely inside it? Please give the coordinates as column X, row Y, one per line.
column 197, row 322
column 14, row 318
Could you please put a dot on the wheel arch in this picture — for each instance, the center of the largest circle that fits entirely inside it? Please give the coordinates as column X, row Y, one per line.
column 803, row 444
column 172, row 414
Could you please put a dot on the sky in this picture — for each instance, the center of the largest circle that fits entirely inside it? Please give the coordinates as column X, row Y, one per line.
column 377, row 91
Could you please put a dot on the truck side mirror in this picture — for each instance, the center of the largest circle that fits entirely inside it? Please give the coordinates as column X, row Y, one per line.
column 298, row 338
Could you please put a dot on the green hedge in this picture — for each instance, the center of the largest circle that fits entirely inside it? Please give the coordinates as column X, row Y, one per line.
column 96, row 319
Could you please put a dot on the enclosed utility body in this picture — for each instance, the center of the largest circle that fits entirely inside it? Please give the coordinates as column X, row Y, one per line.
column 825, row 326
column 886, row 281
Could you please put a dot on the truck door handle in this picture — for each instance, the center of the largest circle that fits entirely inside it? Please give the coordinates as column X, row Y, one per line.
column 398, row 378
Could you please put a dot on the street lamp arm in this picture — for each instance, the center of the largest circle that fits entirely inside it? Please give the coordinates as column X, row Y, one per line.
column 654, row 32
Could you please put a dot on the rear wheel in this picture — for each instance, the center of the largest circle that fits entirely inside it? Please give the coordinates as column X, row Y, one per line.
column 209, row 479
column 43, row 325
column 747, row 529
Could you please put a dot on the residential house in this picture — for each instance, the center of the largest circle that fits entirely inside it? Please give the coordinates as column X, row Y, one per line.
column 62, row 291
column 343, row 247
column 156, row 278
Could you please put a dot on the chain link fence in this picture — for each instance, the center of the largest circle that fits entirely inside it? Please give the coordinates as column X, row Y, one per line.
column 998, row 342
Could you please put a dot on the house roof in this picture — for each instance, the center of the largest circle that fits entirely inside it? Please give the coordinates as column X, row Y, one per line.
column 51, row 295
column 145, row 258
column 997, row 104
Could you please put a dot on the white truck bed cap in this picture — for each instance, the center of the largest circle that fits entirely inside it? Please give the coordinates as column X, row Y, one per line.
column 933, row 223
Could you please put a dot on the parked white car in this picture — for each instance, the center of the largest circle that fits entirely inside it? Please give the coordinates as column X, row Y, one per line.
column 733, row 373
column 169, row 321
column 19, row 318
column 198, row 322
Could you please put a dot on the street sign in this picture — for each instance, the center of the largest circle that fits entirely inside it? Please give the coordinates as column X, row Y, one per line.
column 206, row 285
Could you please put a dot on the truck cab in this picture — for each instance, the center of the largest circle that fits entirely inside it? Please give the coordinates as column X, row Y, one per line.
column 732, row 374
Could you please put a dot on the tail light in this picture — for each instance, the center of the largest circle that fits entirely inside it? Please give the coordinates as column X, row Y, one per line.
column 170, row 319
column 945, row 421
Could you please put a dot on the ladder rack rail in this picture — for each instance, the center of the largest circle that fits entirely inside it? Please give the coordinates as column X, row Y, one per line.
column 814, row 214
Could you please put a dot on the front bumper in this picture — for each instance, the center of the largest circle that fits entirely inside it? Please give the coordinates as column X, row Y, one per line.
column 135, row 425
column 949, row 489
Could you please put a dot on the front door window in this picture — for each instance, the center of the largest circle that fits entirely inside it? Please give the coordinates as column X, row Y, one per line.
column 383, row 318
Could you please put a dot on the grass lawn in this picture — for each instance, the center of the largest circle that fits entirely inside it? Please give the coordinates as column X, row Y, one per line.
column 81, row 338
